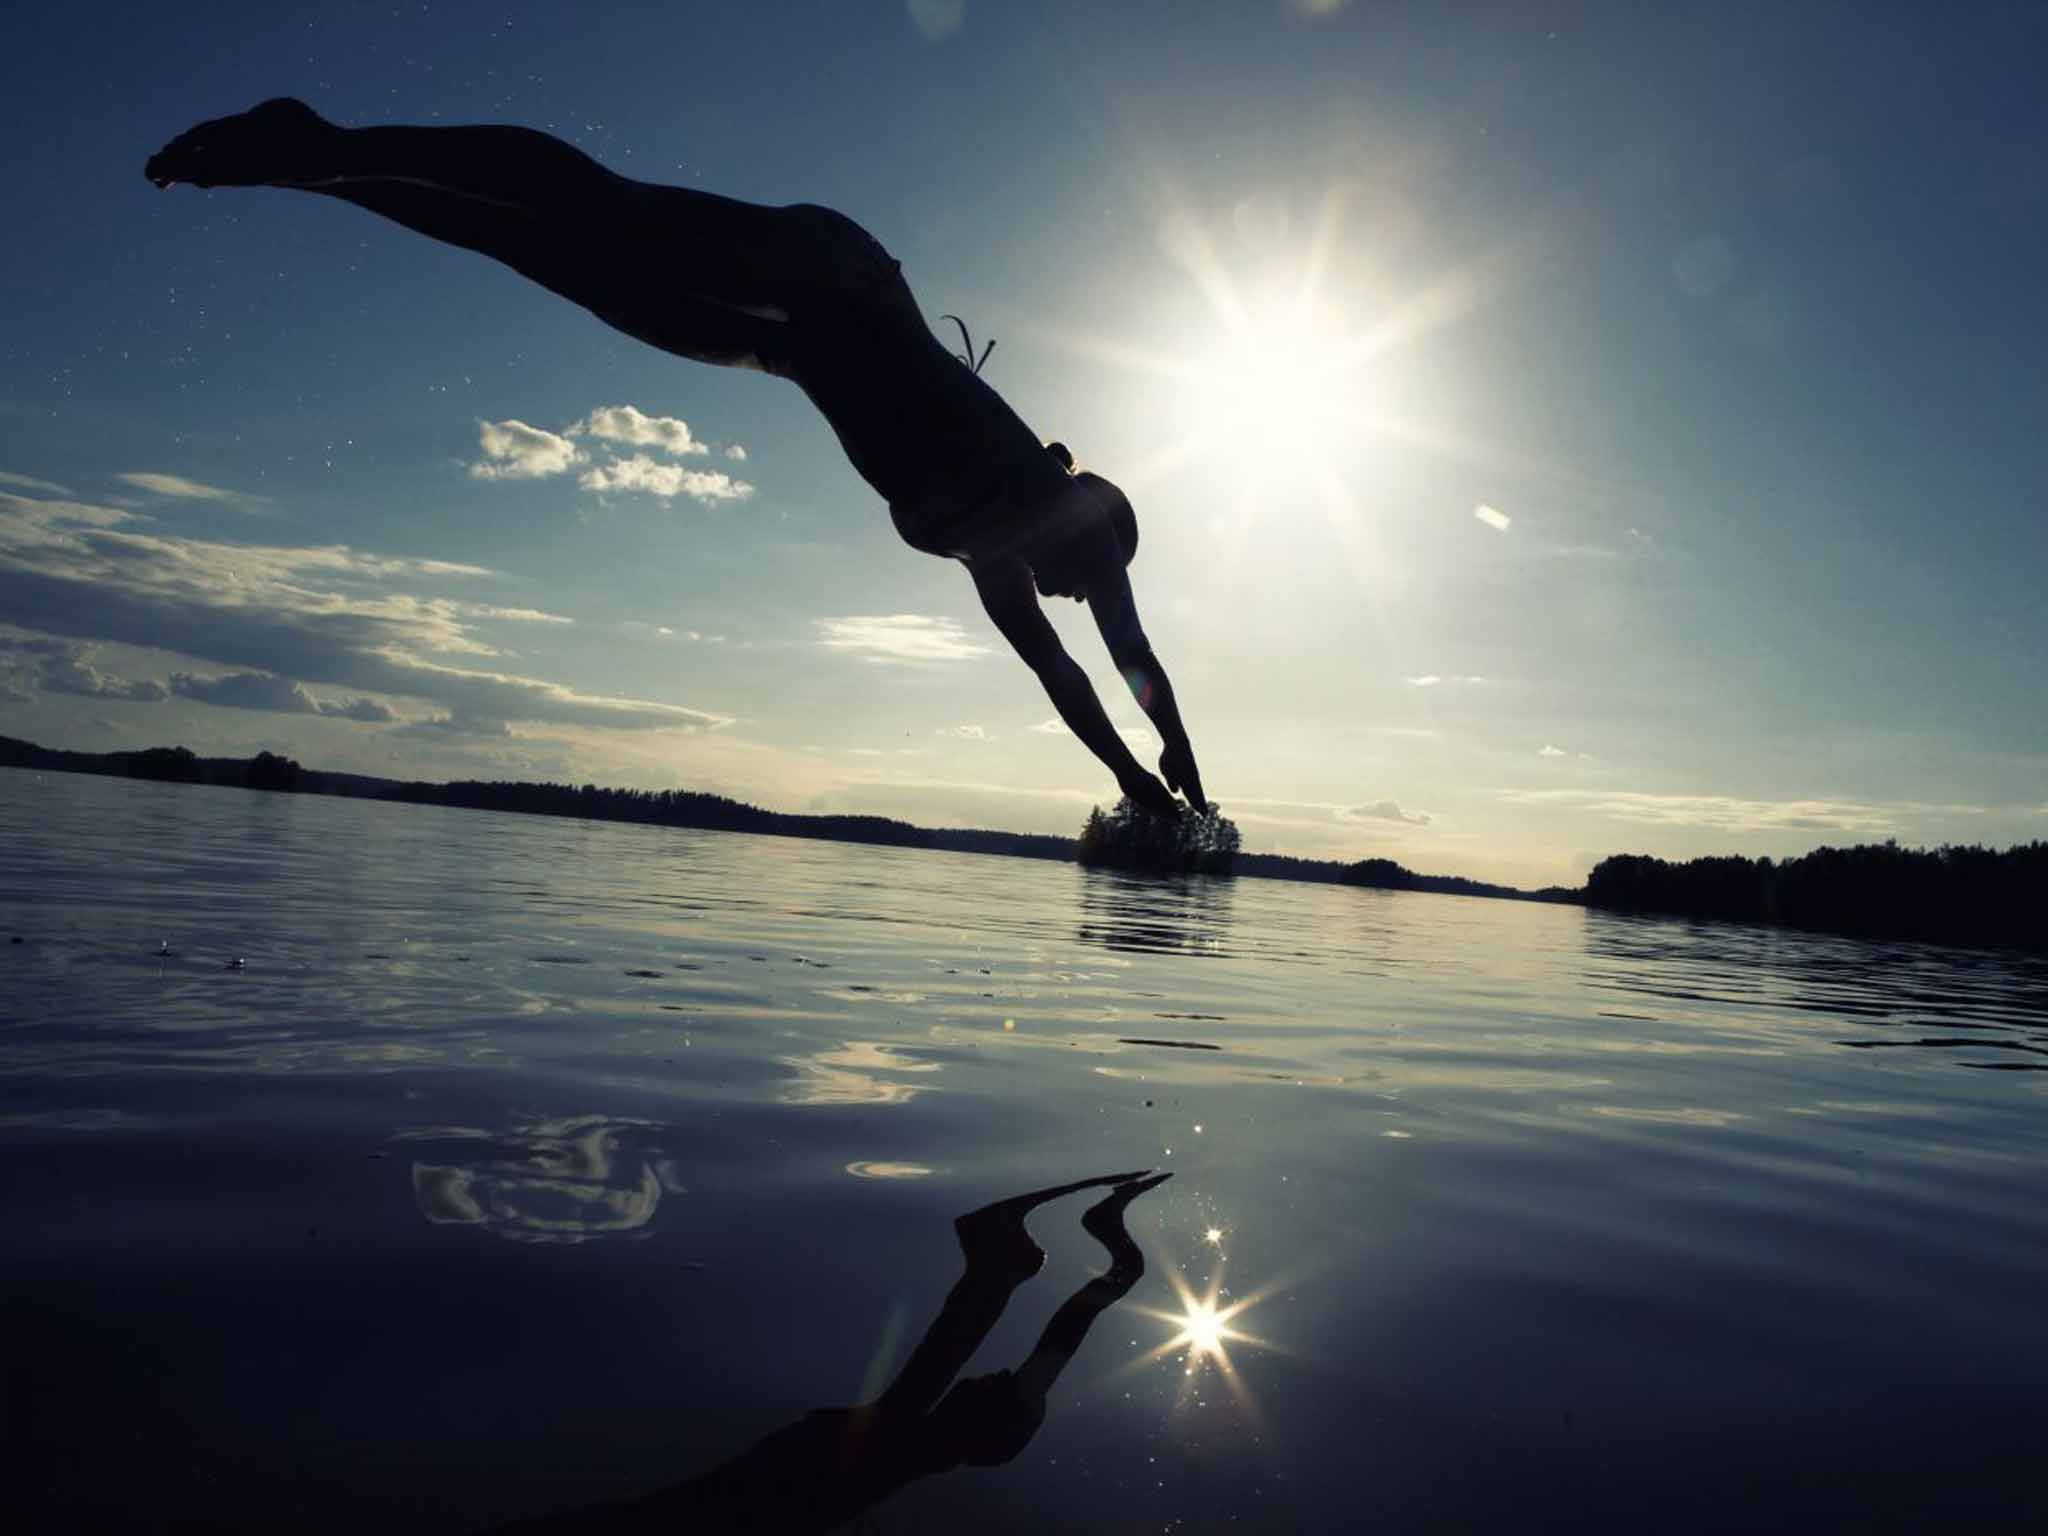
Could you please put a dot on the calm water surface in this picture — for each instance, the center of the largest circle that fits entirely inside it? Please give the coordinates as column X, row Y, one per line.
column 524, row 1163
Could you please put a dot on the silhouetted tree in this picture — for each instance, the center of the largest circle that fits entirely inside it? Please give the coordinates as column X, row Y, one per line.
column 1950, row 895
column 1382, row 874
column 269, row 771
column 1130, row 837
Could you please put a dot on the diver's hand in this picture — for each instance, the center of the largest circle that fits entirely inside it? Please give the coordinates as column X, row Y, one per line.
column 280, row 141
column 1177, row 766
column 1149, row 794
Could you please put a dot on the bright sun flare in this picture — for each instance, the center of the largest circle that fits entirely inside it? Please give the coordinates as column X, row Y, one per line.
column 1202, row 1326
column 1281, row 381
column 1202, row 1330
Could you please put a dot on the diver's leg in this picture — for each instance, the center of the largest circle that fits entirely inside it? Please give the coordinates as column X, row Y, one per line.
column 705, row 276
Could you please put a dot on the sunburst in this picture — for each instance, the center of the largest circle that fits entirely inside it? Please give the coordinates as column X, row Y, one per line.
column 1292, row 365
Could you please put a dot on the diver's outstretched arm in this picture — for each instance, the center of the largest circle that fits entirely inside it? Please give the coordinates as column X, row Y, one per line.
column 1116, row 615
column 1012, row 603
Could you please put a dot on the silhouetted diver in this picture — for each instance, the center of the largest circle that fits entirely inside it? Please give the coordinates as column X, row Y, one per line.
column 831, row 1465
column 799, row 291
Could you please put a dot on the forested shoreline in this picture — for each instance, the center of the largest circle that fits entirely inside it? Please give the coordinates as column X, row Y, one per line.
column 1949, row 895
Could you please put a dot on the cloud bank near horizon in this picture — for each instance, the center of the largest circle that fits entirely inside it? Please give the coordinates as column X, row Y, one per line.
column 328, row 615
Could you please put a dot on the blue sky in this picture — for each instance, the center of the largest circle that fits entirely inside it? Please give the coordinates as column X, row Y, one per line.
column 1556, row 430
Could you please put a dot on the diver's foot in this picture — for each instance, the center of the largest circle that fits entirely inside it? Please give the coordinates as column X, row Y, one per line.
column 1104, row 1220
column 278, row 143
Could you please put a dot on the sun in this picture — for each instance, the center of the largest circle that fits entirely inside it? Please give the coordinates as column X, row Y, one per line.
column 1278, row 378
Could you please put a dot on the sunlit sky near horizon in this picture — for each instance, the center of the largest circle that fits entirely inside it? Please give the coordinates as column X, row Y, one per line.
column 1556, row 430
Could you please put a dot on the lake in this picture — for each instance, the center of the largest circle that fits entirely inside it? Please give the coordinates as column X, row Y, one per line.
column 406, row 1169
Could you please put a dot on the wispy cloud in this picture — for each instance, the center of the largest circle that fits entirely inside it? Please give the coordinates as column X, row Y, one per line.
column 1493, row 517
column 327, row 615
column 1443, row 680
column 1723, row 813
column 30, row 483
column 461, row 723
column 1375, row 810
column 1053, row 727
column 899, row 637
column 178, row 487
column 641, row 473
column 965, row 732
column 509, row 615
column 515, row 451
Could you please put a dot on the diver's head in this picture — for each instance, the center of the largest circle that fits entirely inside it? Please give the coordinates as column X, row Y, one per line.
column 1090, row 534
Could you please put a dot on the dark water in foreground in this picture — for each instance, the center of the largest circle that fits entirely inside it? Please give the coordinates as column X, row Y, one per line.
column 525, row 1162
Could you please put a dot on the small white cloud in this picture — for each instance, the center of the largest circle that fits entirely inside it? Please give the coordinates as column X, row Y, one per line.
column 1493, row 517
column 515, row 451
column 665, row 632
column 627, row 424
column 640, row 473
column 965, row 732
column 1052, row 727
column 1547, row 750
column 937, row 18
column 1137, row 736
column 736, row 453
column 899, row 637
column 177, row 486
column 1427, row 680
column 1318, row 7
column 1383, row 810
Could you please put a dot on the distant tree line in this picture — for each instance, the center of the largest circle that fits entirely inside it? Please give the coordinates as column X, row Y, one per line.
column 164, row 765
column 1949, row 895
column 670, row 808
column 692, row 808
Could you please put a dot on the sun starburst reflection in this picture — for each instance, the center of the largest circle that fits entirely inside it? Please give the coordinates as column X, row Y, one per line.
column 1204, row 1326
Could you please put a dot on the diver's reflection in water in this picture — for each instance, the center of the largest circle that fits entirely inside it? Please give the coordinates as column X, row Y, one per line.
column 1185, row 914
column 833, row 1464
